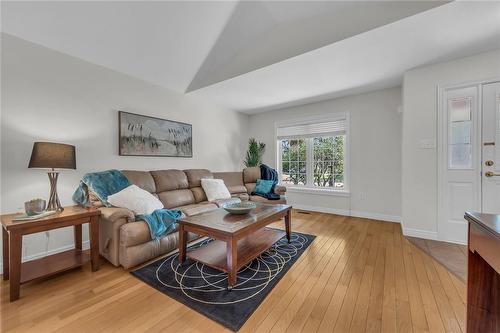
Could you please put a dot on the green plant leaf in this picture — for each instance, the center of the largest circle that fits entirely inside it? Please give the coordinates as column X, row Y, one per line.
column 254, row 153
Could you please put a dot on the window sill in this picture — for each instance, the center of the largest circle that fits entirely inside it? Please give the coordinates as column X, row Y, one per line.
column 318, row 191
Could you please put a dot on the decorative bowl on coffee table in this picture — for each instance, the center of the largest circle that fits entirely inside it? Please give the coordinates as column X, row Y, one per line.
column 239, row 208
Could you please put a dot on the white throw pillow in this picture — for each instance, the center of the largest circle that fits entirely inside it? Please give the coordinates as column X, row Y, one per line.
column 136, row 199
column 215, row 189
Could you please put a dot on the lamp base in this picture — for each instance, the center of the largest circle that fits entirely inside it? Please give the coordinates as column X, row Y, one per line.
column 54, row 203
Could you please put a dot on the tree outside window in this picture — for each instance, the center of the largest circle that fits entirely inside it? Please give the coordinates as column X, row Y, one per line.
column 327, row 161
column 293, row 162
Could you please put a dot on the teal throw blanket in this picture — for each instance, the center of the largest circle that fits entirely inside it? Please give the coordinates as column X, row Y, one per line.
column 161, row 221
column 106, row 183
column 102, row 184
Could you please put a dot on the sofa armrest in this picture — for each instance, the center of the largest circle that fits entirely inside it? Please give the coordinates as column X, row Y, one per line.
column 280, row 189
column 113, row 213
column 111, row 221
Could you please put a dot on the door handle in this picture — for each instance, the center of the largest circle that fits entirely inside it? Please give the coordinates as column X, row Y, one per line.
column 491, row 174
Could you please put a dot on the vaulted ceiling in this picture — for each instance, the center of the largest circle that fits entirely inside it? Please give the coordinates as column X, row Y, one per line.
column 254, row 56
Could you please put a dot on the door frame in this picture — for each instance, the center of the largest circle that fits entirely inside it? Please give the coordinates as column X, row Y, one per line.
column 442, row 148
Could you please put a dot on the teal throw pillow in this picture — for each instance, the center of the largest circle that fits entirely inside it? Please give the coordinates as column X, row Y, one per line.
column 263, row 186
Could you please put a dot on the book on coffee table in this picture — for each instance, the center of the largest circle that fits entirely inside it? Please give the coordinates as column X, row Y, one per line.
column 26, row 217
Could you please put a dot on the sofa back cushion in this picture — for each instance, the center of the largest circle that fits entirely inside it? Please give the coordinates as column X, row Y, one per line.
column 142, row 179
column 176, row 198
column 172, row 188
column 169, row 180
column 233, row 181
column 195, row 176
column 194, row 179
column 251, row 174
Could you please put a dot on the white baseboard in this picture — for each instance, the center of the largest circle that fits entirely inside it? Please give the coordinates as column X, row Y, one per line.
column 376, row 216
column 420, row 233
column 319, row 209
column 346, row 212
column 454, row 241
column 85, row 246
column 432, row 235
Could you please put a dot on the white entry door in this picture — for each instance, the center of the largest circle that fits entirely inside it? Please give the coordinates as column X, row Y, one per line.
column 460, row 161
column 490, row 175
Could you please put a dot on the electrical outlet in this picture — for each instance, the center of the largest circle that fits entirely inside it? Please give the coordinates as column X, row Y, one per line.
column 362, row 196
column 47, row 240
column 428, row 144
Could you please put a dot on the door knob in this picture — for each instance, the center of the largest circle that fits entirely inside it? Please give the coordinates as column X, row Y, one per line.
column 489, row 163
column 491, row 174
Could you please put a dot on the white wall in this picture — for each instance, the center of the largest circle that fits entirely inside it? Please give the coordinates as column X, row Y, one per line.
column 375, row 152
column 47, row 95
column 419, row 166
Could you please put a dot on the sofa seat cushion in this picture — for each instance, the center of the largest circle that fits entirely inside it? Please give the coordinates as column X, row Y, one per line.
column 257, row 198
column 236, row 189
column 220, row 202
column 199, row 208
column 241, row 196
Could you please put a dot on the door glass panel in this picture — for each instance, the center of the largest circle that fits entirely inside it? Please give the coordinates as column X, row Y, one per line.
column 460, row 133
column 460, row 156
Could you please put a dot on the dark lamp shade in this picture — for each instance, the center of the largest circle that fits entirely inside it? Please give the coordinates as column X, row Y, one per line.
column 52, row 156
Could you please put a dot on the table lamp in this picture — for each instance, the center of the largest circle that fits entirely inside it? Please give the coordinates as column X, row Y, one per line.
column 49, row 155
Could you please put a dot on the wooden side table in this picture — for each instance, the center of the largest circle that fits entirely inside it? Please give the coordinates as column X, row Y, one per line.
column 13, row 231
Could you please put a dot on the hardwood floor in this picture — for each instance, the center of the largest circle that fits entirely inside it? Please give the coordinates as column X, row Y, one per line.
column 359, row 275
column 452, row 256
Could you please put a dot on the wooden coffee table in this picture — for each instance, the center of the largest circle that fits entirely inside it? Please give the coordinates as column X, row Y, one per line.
column 238, row 238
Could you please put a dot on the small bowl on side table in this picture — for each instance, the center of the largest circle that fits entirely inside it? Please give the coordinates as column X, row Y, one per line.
column 34, row 207
column 239, row 208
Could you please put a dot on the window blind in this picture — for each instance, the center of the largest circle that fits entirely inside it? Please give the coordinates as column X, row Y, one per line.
column 310, row 130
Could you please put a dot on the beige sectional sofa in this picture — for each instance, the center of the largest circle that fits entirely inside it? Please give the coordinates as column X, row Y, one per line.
column 126, row 242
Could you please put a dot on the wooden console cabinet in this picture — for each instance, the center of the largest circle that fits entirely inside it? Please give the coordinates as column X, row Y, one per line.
column 483, row 281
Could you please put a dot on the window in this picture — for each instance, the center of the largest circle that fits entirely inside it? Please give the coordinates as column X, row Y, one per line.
column 294, row 159
column 328, row 161
column 312, row 154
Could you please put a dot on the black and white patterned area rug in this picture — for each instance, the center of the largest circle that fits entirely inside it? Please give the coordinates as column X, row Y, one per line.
column 205, row 289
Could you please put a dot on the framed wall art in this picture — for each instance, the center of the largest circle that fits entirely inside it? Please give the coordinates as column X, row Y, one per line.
column 141, row 135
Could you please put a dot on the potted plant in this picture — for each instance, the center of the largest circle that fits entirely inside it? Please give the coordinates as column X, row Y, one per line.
column 254, row 153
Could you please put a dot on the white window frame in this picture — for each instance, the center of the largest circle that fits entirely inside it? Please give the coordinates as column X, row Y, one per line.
column 309, row 188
